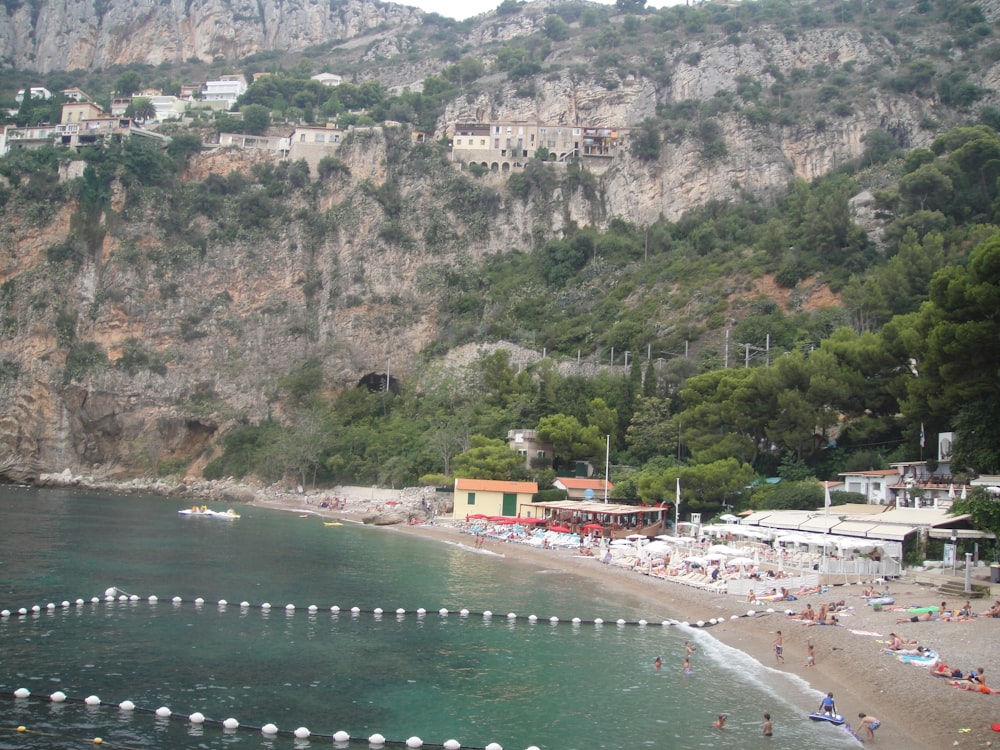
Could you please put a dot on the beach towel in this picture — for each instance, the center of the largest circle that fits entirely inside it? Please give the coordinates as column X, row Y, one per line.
column 866, row 632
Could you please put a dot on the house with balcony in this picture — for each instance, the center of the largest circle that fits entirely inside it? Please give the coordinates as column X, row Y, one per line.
column 502, row 146
column 224, row 92
column 78, row 110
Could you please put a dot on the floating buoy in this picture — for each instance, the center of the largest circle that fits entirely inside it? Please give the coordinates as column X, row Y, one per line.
column 50, row 606
column 22, row 693
column 163, row 712
column 4, row 613
column 58, row 697
column 494, row 746
column 313, row 608
column 94, row 600
column 197, row 718
column 110, row 593
column 577, row 620
column 620, row 621
column 511, row 615
column 341, row 736
column 199, row 601
column 265, row 606
column 751, row 612
column 289, row 607
column 223, row 603
column 133, row 598
column 152, row 599
column 79, row 602
column 700, row 623
column 122, row 598
column 126, row 706
column 685, row 624
column 770, row 610
column 98, row 741
column 642, row 623
column 269, row 729
column 377, row 611
column 734, row 617
column 421, row 611
column 464, row 613
column 355, row 610
column 400, row 611
column 532, row 618
column 414, row 742
column 244, row 605
column 176, row 600
column 598, row 621
column 377, row 740
column 302, row 733
column 665, row 623
column 22, row 729
column 452, row 745
column 553, row 619
column 64, row 604
column 487, row 615
column 22, row 611
column 231, row 724
column 36, row 609
column 443, row 612
column 92, row 700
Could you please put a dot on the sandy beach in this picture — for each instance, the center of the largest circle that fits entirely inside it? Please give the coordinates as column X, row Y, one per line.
column 915, row 708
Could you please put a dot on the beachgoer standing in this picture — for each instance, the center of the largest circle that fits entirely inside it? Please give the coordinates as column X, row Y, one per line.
column 827, row 706
column 779, row 657
column 869, row 724
column 686, row 666
column 688, row 648
column 810, row 654
column 768, row 728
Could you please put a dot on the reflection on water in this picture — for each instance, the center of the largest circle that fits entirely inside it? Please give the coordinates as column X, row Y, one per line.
column 560, row 686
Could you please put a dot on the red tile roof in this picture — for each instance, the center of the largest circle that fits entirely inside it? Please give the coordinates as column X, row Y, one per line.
column 494, row 485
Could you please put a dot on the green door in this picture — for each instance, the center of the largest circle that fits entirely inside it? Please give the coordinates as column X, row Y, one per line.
column 509, row 504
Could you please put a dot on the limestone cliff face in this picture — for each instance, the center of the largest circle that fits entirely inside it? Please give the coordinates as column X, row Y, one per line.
column 68, row 34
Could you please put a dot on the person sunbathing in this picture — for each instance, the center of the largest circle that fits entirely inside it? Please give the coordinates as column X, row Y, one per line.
column 805, row 590
column 993, row 611
column 939, row 669
column 923, row 617
column 975, row 682
column 868, row 592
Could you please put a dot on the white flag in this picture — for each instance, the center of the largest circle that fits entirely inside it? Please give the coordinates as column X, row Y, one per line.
column 827, row 502
column 923, row 438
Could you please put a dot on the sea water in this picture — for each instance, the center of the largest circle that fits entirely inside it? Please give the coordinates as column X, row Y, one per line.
column 556, row 685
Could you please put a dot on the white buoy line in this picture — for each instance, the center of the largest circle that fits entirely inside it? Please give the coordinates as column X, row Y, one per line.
column 115, row 595
column 340, row 738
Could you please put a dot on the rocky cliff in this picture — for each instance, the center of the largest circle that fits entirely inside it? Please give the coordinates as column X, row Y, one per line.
column 81, row 34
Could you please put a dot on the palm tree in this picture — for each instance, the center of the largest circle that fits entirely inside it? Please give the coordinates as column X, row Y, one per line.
column 141, row 109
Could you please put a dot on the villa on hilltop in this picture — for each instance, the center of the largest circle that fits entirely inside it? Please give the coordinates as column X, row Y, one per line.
column 503, row 145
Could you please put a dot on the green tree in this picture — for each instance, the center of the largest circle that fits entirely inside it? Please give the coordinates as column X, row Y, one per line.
column 128, row 83
column 984, row 511
column 488, row 458
column 141, row 109
column 571, row 441
column 555, row 28
column 256, row 119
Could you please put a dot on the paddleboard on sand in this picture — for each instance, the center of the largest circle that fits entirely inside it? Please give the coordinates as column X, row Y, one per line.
column 838, row 719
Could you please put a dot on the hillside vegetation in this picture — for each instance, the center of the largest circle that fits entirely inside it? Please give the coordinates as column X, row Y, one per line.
column 178, row 310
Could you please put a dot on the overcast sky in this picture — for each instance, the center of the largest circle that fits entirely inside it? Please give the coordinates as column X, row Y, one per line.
column 460, row 9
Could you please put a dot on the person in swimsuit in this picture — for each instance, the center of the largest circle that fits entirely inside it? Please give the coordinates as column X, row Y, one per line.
column 869, row 724
column 828, row 707
column 657, row 662
column 778, row 648
column 720, row 723
column 810, row 654
column 768, row 729
column 686, row 667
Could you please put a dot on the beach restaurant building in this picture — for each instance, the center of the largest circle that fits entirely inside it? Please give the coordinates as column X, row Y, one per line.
column 490, row 497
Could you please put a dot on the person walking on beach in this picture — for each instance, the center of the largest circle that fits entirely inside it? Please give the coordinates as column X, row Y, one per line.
column 810, row 654
column 768, row 728
column 827, row 706
column 869, row 724
column 779, row 657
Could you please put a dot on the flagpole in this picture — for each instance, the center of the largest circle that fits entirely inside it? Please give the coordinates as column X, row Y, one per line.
column 607, row 467
column 677, row 507
column 826, row 528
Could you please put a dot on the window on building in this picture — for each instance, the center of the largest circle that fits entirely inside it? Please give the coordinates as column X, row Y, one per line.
column 458, row 141
column 540, row 454
column 320, row 138
column 302, row 138
column 482, row 141
column 471, row 499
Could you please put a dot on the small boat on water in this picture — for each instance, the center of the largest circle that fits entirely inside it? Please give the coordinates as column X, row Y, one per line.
column 203, row 511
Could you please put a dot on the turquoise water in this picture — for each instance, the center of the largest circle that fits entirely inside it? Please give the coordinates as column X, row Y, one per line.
column 478, row 680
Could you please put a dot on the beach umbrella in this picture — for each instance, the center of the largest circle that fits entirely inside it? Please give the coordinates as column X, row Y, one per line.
column 724, row 549
column 531, row 521
column 695, row 560
column 654, row 548
column 714, row 556
column 951, row 491
column 964, row 494
column 729, row 518
column 560, row 529
column 593, row 527
column 741, row 561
